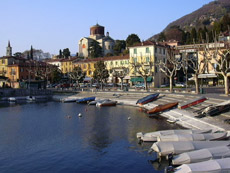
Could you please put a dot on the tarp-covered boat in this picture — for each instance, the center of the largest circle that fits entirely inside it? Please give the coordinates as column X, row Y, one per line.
column 107, row 103
column 85, row 100
column 192, row 102
column 166, row 148
column 147, row 99
column 97, row 101
column 215, row 110
column 210, row 166
column 161, row 108
column 201, row 155
column 193, row 137
column 152, row 136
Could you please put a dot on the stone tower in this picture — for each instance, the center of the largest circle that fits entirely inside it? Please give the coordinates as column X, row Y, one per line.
column 8, row 50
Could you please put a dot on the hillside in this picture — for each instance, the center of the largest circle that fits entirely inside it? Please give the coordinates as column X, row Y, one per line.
column 205, row 16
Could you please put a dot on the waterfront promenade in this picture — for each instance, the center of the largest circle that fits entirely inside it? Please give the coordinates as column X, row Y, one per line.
column 185, row 118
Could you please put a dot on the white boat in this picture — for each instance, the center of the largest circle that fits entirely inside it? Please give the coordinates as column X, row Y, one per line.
column 12, row 99
column 166, row 148
column 152, row 136
column 218, row 152
column 193, row 137
column 210, row 166
column 30, row 98
column 66, row 100
column 107, row 103
column 97, row 101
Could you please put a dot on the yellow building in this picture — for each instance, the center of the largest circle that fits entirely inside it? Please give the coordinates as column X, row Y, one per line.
column 67, row 65
column 87, row 66
column 146, row 54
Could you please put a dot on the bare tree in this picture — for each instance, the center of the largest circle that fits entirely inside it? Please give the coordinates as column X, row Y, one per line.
column 142, row 68
column 120, row 73
column 170, row 65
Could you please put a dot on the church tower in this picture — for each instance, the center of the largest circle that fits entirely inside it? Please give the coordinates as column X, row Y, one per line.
column 8, row 50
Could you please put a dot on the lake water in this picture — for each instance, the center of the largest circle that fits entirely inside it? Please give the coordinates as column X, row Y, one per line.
column 38, row 137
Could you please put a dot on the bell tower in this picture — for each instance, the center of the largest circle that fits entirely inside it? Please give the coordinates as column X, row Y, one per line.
column 8, row 50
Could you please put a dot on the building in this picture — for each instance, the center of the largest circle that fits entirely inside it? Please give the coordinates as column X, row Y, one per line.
column 97, row 34
column 147, row 54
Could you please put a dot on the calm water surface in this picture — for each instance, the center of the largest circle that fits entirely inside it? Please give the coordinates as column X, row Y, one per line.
column 38, row 137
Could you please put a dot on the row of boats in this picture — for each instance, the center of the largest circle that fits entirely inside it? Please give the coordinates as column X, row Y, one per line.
column 92, row 101
column 209, row 110
column 191, row 150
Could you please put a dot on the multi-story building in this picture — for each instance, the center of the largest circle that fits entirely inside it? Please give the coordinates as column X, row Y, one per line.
column 147, row 54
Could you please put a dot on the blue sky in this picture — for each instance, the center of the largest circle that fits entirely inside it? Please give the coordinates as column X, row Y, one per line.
column 52, row 25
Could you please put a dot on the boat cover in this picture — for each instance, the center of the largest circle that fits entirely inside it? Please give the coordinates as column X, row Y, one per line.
column 211, row 166
column 97, row 101
column 202, row 155
column 152, row 136
column 193, row 137
column 166, row 148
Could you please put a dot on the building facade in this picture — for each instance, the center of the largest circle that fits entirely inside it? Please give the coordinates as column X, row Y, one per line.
column 97, row 34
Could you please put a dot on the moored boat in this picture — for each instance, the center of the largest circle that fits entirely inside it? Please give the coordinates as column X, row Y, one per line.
column 107, row 103
column 152, row 136
column 12, row 99
column 215, row 166
column 67, row 100
column 161, row 108
column 215, row 110
column 166, row 148
column 147, row 99
column 86, row 99
column 192, row 102
column 201, row 155
column 193, row 137
column 98, row 101
column 30, row 98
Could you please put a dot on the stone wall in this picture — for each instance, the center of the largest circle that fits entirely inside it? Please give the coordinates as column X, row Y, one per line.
column 9, row 92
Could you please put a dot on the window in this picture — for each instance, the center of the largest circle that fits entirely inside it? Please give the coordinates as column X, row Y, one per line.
column 135, row 60
column 147, row 59
column 21, row 69
column 147, row 50
column 164, row 51
column 3, row 61
column 160, row 50
column 122, row 62
column 155, row 59
column 111, row 63
column 155, row 49
column 116, row 63
column 135, row 51
column 156, row 69
column 89, row 65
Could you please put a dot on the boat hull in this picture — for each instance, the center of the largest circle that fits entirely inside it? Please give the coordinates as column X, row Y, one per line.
column 147, row 99
column 86, row 100
column 161, row 108
column 107, row 103
column 192, row 103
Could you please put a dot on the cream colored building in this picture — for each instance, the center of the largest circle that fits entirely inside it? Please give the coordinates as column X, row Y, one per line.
column 147, row 54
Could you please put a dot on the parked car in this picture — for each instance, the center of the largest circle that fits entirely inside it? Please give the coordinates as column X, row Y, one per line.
column 180, row 84
column 164, row 85
column 139, row 86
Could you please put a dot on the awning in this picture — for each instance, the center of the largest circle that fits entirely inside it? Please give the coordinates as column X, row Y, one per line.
column 140, row 79
column 205, row 76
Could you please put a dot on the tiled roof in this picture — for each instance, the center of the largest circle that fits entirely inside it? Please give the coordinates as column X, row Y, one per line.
column 147, row 43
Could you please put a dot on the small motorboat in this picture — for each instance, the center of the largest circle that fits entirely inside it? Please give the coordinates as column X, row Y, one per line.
column 193, row 137
column 97, row 101
column 178, row 147
column 214, row 166
column 107, row 103
column 215, row 110
column 86, row 99
column 147, row 99
column 67, row 100
column 192, row 102
column 217, row 152
column 12, row 99
column 30, row 98
column 152, row 136
column 161, row 108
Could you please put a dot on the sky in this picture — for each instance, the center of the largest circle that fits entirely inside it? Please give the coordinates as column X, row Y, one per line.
column 51, row 25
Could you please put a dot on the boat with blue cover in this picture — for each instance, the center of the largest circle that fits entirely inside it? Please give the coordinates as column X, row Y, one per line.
column 147, row 99
column 86, row 99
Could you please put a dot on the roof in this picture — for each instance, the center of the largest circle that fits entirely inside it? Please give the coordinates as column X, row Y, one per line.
column 97, row 25
column 148, row 43
column 111, row 58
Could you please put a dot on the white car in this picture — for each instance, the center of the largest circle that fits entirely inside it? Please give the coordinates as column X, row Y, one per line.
column 180, row 85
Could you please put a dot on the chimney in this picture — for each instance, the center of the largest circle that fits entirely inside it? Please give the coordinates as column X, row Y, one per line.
column 107, row 34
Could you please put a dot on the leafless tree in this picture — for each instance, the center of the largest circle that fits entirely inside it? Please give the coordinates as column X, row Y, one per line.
column 170, row 65
column 142, row 68
column 120, row 73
